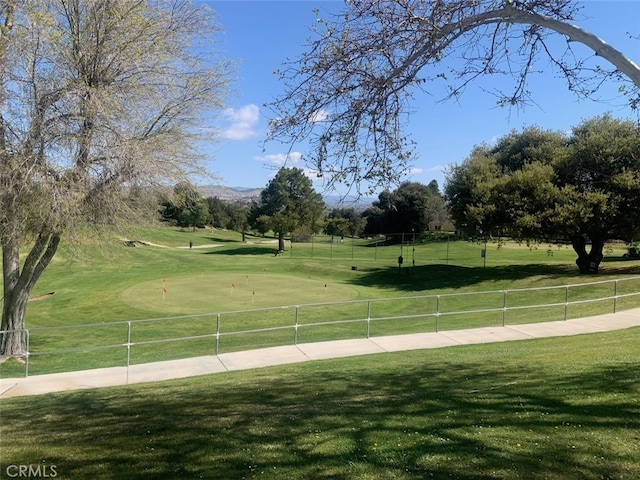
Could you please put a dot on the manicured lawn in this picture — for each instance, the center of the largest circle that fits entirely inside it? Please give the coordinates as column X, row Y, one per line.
column 560, row 408
column 99, row 283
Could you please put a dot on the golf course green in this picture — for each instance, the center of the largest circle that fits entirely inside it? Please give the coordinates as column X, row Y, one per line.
column 224, row 292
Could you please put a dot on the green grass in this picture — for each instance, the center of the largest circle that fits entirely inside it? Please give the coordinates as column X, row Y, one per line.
column 224, row 292
column 98, row 283
column 560, row 408
column 554, row 409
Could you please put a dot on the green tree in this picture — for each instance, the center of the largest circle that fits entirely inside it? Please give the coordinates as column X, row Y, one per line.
column 545, row 186
column 409, row 208
column 260, row 224
column 336, row 226
column 218, row 210
column 238, row 217
column 94, row 96
column 344, row 222
column 229, row 215
column 375, row 218
column 191, row 207
column 196, row 216
column 288, row 202
column 186, row 207
column 362, row 69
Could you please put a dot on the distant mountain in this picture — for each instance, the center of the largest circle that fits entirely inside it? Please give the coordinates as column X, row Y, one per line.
column 230, row 194
column 247, row 194
column 338, row 201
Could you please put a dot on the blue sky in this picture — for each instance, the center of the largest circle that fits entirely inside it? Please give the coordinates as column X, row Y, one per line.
column 260, row 35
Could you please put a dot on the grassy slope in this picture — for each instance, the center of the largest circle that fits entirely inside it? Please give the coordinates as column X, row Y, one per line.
column 102, row 282
column 88, row 281
column 564, row 408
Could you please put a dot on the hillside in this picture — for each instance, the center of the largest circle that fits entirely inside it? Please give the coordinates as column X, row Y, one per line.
column 247, row 194
column 230, row 194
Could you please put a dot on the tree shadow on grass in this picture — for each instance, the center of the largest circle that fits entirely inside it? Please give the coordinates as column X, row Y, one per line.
column 245, row 250
column 433, row 277
column 421, row 417
column 615, row 266
column 215, row 239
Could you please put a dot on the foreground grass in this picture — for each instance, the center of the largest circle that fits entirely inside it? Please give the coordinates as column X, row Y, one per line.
column 561, row 408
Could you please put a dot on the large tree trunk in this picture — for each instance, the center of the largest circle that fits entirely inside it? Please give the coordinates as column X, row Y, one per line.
column 18, row 285
column 13, row 337
column 588, row 261
column 281, row 242
column 13, row 341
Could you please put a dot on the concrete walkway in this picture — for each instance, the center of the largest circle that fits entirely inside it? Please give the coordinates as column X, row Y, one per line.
column 226, row 362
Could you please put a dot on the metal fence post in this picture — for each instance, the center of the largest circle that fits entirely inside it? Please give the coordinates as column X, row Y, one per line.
column 566, row 302
column 128, row 344
column 615, row 296
column 504, row 308
column 437, row 312
column 26, row 363
column 295, row 328
column 368, row 319
column 218, row 334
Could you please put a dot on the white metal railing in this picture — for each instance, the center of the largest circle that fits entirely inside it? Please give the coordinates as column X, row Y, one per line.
column 428, row 307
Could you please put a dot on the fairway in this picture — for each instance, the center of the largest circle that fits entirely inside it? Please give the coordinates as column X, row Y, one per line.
column 233, row 295
column 224, row 292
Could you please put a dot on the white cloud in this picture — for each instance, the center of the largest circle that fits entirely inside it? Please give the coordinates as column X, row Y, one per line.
column 244, row 122
column 281, row 159
column 319, row 115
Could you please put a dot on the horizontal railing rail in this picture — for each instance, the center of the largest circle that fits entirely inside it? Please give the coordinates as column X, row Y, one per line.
column 426, row 307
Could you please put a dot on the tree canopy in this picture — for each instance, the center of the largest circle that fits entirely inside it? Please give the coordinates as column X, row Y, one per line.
column 351, row 93
column 344, row 222
column 94, row 96
column 187, row 208
column 229, row 215
column 549, row 186
column 288, row 203
column 409, row 208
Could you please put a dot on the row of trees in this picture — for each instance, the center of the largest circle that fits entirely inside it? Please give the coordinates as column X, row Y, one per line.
column 189, row 209
column 534, row 185
column 290, row 206
column 540, row 185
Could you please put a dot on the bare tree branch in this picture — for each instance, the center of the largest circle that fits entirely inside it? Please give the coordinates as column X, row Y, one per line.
column 351, row 94
column 94, row 97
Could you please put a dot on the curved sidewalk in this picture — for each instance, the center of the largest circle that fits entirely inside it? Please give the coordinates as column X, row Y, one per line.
column 226, row 362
